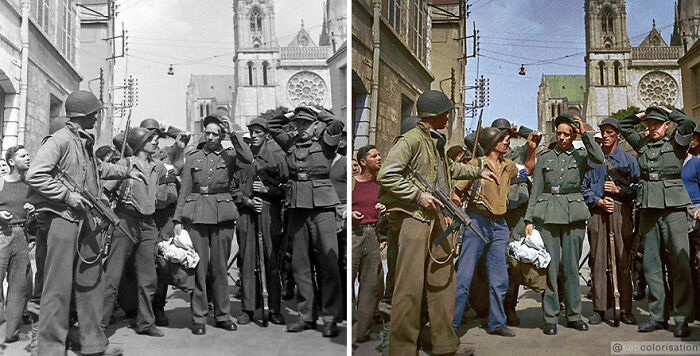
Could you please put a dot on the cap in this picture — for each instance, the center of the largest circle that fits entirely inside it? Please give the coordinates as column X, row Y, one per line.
column 656, row 113
column 212, row 119
column 304, row 113
column 610, row 121
column 258, row 121
column 598, row 135
column 564, row 118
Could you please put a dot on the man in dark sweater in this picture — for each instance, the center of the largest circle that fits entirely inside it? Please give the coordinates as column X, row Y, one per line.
column 690, row 173
column 14, row 254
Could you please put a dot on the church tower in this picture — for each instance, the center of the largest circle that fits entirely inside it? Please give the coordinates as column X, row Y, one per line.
column 254, row 24
column 607, row 58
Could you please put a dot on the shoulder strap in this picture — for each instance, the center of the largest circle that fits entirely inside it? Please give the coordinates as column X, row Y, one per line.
column 475, row 186
column 617, row 174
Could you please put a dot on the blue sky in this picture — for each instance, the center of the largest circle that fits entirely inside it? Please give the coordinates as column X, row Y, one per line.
column 175, row 31
column 528, row 31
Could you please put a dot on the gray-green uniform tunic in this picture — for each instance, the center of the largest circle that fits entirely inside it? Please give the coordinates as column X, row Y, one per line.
column 559, row 213
column 663, row 200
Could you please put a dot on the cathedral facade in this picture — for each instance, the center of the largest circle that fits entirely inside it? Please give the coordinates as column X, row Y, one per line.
column 619, row 75
column 268, row 75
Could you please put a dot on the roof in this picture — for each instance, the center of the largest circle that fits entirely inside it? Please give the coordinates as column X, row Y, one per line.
column 302, row 39
column 219, row 86
column 567, row 86
column 654, row 38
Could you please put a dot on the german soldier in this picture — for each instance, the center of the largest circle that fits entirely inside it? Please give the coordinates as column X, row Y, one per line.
column 66, row 271
column 418, row 270
column 136, row 207
column 206, row 207
column 663, row 201
column 558, row 209
column 606, row 193
column 312, row 200
column 258, row 190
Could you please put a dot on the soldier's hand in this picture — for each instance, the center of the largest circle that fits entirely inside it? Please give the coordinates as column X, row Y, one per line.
column 177, row 229
column 528, row 228
column 490, row 176
column 335, row 127
column 259, row 187
column 428, row 201
column 607, row 204
column 5, row 216
column 256, row 203
column 533, row 140
column 641, row 115
column 579, row 126
column 696, row 214
column 357, row 216
column 77, row 202
column 514, row 131
column 610, row 187
column 666, row 109
column 382, row 245
column 134, row 174
column 29, row 208
column 381, row 208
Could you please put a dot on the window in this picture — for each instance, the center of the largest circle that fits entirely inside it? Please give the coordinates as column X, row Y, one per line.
column 250, row 73
column 255, row 21
column 265, row 67
column 607, row 21
column 601, row 72
column 394, row 14
column 418, row 25
column 696, row 84
column 201, row 110
column 65, row 29
column 41, row 10
column 554, row 113
column 617, row 66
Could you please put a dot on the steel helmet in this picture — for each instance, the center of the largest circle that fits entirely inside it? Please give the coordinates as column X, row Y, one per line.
column 137, row 138
column 501, row 124
column 469, row 141
column 433, row 103
column 150, row 124
column 489, row 137
column 81, row 103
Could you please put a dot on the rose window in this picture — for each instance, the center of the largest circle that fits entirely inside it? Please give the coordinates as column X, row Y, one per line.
column 306, row 88
column 658, row 88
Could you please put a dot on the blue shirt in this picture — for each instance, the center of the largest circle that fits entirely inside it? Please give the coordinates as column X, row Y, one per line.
column 691, row 178
column 593, row 184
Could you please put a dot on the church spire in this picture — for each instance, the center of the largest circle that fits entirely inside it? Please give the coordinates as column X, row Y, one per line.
column 324, row 39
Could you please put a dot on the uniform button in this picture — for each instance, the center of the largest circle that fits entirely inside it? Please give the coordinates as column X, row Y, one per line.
column 560, row 178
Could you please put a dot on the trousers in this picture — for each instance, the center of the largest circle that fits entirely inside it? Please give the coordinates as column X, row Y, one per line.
column 367, row 267
column 14, row 258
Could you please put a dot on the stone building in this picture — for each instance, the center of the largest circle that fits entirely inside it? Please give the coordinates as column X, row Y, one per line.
column 334, row 33
column 268, row 75
column 685, row 34
column 686, row 24
column 390, row 67
column 558, row 94
column 448, row 49
column 619, row 75
column 208, row 94
column 38, row 67
column 96, row 64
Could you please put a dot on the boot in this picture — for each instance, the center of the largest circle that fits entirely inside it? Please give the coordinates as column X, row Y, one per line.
column 512, row 317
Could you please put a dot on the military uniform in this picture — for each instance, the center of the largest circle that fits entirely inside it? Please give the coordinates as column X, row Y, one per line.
column 311, row 200
column 558, row 211
column 416, row 273
column 272, row 171
column 663, row 201
column 206, row 208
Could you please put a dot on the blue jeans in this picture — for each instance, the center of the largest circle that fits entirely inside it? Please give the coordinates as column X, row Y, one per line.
column 14, row 258
column 496, row 231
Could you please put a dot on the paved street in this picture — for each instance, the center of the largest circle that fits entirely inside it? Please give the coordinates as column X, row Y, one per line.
column 250, row 339
column 529, row 339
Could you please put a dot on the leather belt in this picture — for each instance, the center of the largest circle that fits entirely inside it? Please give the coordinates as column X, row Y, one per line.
column 205, row 190
column 518, row 180
column 304, row 176
column 481, row 210
column 559, row 190
column 653, row 177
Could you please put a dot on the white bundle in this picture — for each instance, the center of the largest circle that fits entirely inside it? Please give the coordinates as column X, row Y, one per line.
column 179, row 249
column 530, row 250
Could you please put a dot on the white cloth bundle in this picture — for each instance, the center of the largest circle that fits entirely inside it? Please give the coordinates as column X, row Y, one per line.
column 179, row 249
column 530, row 250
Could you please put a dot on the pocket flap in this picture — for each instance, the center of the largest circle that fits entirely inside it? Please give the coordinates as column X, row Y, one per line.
column 223, row 197
column 672, row 183
column 322, row 183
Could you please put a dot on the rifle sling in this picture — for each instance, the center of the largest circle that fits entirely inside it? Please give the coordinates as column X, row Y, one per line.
column 617, row 174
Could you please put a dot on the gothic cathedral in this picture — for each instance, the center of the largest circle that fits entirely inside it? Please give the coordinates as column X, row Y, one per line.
column 269, row 75
column 619, row 75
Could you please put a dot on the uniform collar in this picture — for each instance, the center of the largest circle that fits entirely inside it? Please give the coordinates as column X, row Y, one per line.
column 216, row 152
column 568, row 152
column 616, row 154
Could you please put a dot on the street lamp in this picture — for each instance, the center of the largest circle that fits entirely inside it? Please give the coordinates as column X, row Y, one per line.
column 522, row 69
column 171, row 71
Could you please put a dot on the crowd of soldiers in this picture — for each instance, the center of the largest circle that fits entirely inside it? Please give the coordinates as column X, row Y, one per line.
column 640, row 199
column 96, row 216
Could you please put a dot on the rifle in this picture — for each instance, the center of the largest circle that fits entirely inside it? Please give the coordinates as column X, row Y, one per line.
column 260, row 270
column 459, row 217
column 613, row 269
column 108, row 217
column 126, row 134
column 476, row 136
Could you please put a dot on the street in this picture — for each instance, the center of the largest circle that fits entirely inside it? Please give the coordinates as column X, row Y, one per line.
column 530, row 340
column 249, row 339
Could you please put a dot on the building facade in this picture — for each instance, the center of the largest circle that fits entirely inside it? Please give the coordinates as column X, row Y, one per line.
column 268, row 75
column 209, row 94
column 38, row 67
column 619, row 75
column 448, row 58
column 390, row 67
column 556, row 95
column 334, row 34
column 686, row 24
